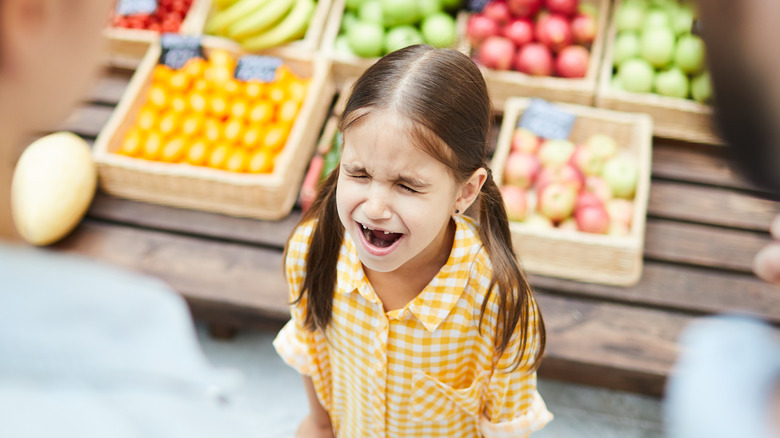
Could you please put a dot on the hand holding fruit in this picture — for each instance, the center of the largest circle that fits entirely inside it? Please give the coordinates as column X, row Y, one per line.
column 767, row 262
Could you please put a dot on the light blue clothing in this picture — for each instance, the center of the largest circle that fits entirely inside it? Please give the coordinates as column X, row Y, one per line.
column 724, row 381
column 88, row 350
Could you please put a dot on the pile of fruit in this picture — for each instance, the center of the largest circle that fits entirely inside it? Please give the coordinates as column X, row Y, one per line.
column 587, row 187
column 201, row 115
column 654, row 50
column 371, row 28
column 535, row 37
column 260, row 24
column 167, row 18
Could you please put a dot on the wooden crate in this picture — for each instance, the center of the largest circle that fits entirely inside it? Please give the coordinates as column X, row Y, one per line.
column 503, row 84
column 675, row 118
column 607, row 259
column 127, row 47
column 262, row 196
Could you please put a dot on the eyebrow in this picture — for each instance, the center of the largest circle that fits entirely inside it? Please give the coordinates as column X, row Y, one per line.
column 405, row 179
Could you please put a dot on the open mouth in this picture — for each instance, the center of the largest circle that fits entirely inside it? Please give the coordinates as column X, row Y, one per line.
column 379, row 238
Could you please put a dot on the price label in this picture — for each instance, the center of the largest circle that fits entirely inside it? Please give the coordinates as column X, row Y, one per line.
column 178, row 49
column 132, row 7
column 477, row 5
column 256, row 67
column 546, row 120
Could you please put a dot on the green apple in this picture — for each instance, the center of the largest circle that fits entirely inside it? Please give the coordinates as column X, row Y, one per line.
column 689, row 54
column 636, row 75
column 672, row 83
column 622, row 175
column 347, row 20
column 626, row 47
column 657, row 46
column 701, row 88
column 682, row 20
column 366, row 39
column 439, row 30
column 656, row 17
column 630, row 16
column 429, row 7
column 616, row 84
column 400, row 37
column 400, row 12
column 353, row 5
column 341, row 46
column 371, row 12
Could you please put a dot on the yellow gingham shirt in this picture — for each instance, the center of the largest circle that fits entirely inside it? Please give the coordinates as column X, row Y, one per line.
column 419, row 371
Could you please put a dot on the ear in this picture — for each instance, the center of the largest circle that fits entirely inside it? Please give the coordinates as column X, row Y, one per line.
column 470, row 189
column 25, row 26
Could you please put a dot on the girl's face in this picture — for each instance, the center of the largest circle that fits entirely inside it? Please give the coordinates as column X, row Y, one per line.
column 394, row 200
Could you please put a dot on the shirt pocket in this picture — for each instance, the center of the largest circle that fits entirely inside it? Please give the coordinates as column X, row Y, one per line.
column 433, row 400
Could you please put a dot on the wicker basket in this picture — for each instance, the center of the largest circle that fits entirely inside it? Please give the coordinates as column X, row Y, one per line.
column 503, row 84
column 607, row 259
column 676, row 118
column 127, row 47
column 262, row 196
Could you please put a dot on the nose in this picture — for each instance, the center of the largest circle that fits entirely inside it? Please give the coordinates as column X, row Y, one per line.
column 376, row 207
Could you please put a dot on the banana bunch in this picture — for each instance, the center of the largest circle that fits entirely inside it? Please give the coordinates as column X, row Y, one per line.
column 260, row 24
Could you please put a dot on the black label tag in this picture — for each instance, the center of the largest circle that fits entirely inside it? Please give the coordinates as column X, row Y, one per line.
column 477, row 5
column 178, row 49
column 258, row 68
column 132, row 7
column 546, row 120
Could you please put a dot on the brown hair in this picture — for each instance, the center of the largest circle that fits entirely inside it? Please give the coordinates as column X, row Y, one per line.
column 443, row 94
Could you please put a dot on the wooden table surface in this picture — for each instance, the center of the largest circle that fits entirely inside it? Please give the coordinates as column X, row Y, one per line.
column 704, row 225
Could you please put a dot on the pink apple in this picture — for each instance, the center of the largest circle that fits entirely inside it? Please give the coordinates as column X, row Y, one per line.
column 521, row 169
column 602, row 145
column 534, row 59
column 566, row 7
column 622, row 175
column 519, row 30
column 554, row 31
column 592, row 219
column 566, row 174
column 524, row 8
column 555, row 153
column 583, row 29
column 515, row 202
column 572, row 62
column 479, row 28
column 599, row 187
column 524, row 140
column 586, row 161
column 587, row 199
column 538, row 221
column 498, row 11
column 621, row 211
column 568, row 225
column 556, row 201
column 496, row 52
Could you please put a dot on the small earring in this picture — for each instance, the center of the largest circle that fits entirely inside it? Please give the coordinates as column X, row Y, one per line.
column 457, row 211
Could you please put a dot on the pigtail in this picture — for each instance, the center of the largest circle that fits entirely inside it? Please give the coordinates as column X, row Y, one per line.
column 323, row 254
column 516, row 304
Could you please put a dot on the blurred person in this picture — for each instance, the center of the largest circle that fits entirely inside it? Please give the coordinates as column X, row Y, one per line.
column 86, row 350
column 726, row 382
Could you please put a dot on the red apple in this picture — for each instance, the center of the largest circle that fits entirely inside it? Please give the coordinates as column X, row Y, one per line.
column 534, row 59
column 496, row 52
column 583, row 29
column 598, row 187
column 565, row 174
column 572, row 62
column 554, row 31
column 524, row 140
column 479, row 28
column 592, row 219
column 519, row 30
column 498, row 11
column 555, row 153
column 566, row 7
column 524, row 8
column 515, row 202
column 587, row 199
column 586, row 161
column 521, row 169
column 556, row 201
column 620, row 211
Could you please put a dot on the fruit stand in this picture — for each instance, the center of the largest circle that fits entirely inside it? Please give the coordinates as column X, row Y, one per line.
column 697, row 226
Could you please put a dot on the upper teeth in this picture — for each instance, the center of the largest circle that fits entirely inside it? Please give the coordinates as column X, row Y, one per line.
column 371, row 229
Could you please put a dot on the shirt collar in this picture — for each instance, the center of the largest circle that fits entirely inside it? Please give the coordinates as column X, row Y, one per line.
column 436, row 301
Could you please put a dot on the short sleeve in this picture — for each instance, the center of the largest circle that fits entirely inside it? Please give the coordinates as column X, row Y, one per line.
column 294, row 343
column 513, row 406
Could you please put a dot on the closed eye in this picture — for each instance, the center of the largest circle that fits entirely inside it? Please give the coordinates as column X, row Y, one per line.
column 409, row 189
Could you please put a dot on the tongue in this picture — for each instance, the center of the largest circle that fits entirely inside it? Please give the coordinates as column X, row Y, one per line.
column 383, row 240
